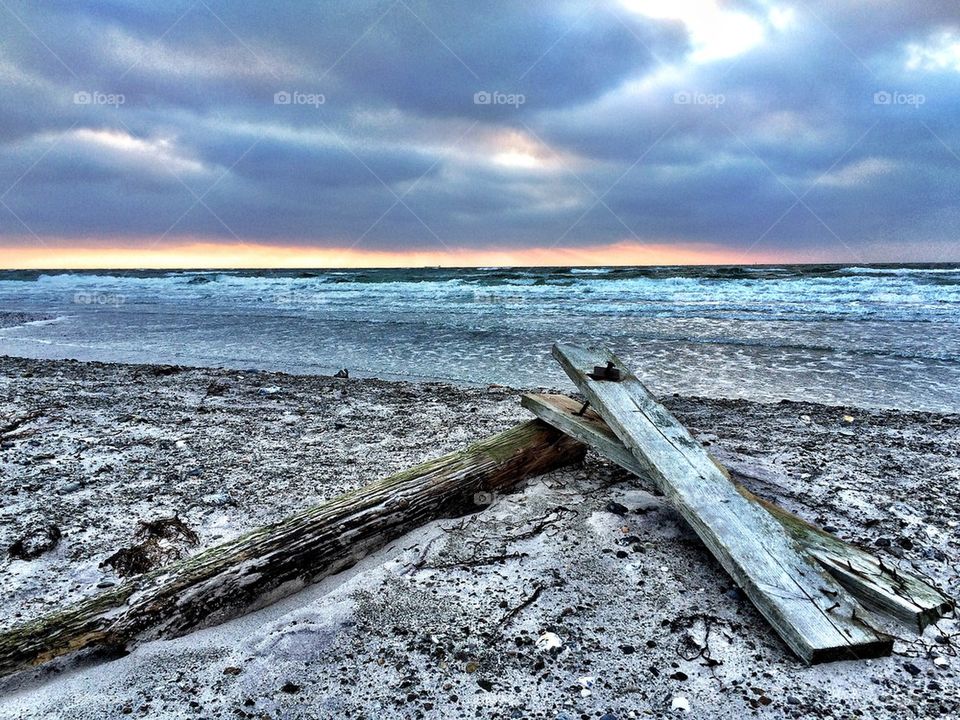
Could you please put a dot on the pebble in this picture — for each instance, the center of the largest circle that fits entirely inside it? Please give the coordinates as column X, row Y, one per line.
column 220, row 499
column 911, row 668
column 616, row 508
column 271, row 391
column 680, row 703
column 549, row 641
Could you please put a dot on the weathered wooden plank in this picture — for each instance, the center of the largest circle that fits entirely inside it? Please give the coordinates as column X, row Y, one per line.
column 814, row 615
column 277, row 560
column 897, row 593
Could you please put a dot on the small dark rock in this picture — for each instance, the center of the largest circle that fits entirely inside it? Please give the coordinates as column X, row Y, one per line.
column 735, row 593
column 679, row 675
column 342, row 373
column 882, row 542
column 35, row 542
column 627, row 649
column 290, row 688
column 485, row 685
column 911, row 668
column 616, row 508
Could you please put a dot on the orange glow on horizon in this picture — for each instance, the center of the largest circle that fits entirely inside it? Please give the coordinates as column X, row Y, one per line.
column 207, row 255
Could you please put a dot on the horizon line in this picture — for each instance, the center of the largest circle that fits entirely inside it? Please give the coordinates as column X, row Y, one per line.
column 206, row 255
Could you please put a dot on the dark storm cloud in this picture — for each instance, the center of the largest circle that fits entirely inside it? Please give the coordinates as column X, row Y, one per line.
column 410, row 123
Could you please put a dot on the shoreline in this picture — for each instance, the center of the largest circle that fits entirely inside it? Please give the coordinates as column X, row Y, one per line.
column 107, row 446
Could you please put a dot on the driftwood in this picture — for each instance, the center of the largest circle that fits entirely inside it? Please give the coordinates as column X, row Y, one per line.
column 898, row 593
column 810, row 610
column 277, row 560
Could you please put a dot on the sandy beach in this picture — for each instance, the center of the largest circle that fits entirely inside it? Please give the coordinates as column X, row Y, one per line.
column 396, row 360
column 581, row 595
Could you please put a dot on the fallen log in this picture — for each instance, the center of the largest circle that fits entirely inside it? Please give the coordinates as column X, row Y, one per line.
column 897, row 593
column 266, row 564
column 813, row 614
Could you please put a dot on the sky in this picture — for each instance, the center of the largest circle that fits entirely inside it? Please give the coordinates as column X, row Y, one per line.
column 211, row 133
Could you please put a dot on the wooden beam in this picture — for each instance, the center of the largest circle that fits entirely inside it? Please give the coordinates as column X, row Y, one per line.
column 898, row 593
column 279, row 559
column 814, row 615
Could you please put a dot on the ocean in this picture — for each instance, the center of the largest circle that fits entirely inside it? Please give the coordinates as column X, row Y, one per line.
column 878, row 335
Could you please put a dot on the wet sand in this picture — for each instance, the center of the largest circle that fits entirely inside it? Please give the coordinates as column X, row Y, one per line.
column 461, row 618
